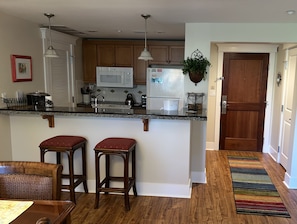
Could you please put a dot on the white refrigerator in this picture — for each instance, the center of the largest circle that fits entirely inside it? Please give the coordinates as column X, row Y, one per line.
column 165, row 89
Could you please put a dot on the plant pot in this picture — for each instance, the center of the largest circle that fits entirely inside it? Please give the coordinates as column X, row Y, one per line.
column 196, row 77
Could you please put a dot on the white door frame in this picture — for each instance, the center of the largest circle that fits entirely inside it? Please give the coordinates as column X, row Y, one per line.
column 286, row 124
column 246, row 48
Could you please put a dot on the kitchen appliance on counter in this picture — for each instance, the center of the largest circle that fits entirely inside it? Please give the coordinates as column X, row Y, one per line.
column 195, row 101
column 39, row 99
column 130, row 100
column 143, row 101
column 114, row 77
column 165, row 89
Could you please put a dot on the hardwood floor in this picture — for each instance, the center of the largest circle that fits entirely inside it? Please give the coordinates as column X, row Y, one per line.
column 211, row 203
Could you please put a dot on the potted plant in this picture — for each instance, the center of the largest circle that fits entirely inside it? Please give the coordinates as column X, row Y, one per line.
column 196, row 66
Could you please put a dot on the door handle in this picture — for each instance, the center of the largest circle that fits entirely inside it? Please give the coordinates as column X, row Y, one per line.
column 224, row 104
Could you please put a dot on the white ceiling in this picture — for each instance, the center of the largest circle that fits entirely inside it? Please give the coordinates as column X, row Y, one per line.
column 168, row 17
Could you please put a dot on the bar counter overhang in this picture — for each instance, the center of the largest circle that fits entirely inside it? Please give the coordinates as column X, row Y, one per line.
column 170, row 151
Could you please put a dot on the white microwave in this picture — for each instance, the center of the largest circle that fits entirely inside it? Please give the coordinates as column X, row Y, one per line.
column 114, row 77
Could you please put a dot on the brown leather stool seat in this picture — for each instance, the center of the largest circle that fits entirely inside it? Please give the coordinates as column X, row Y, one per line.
column 68, row 144
column 115, row 147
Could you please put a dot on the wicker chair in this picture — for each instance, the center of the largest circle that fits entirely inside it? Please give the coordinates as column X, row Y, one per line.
column 30, row 180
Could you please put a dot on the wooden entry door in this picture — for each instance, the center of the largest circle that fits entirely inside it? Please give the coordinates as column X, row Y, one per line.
column 243, row 101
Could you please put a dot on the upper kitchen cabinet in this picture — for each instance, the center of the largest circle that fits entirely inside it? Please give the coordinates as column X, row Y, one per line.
column 125, row 53
column 167, row 53
column 89, row 62
column 115, row 55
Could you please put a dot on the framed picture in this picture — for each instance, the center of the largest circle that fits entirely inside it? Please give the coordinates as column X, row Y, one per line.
column 21, row 67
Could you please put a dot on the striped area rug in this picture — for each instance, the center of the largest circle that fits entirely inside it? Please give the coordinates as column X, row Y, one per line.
column 254, row 193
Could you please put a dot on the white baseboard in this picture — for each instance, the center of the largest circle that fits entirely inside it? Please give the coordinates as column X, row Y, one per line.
column 199, row 177
column 291, row 183
column 210, row 145
column 165, row 190
column 151, row 189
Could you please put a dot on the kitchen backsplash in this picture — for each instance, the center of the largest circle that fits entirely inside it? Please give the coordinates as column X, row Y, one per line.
column 119, row 94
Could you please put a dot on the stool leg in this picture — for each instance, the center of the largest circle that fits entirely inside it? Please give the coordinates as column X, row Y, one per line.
column 58, row 158
column 71, row 176
column 134, row 171
column 42, row 152
column 107, row 171
column 126, row 181
column 84, row 167
column 97, row 172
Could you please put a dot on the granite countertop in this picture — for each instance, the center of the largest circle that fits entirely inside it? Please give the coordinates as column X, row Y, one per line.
column 135, row 112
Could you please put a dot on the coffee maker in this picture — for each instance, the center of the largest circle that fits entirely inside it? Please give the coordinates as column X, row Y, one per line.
column 39, row 99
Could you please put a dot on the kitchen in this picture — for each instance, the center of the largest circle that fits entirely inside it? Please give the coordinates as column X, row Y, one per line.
column 193, row 41
column 110, row 124
column 180, row 184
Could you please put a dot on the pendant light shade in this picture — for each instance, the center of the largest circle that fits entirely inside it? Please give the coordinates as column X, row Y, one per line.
column 145, row 54
column 50, row 52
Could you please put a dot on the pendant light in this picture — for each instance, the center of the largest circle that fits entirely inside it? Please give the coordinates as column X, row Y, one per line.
column 145, row 54
column 50, row 52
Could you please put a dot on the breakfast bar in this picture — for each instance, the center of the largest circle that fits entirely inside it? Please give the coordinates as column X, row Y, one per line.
column 170, row 150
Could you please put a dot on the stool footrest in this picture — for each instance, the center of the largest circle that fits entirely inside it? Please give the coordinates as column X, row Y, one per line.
column 113, row 189
column 119, row 179
column 76, row 183
column 77, row 176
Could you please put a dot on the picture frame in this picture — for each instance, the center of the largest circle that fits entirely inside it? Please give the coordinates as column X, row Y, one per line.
column 21, row 67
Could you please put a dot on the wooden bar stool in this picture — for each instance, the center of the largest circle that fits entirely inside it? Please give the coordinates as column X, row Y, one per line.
column 68, row 144
column 115, row 147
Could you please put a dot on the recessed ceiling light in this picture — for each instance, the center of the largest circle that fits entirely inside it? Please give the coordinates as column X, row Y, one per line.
column 291, row 12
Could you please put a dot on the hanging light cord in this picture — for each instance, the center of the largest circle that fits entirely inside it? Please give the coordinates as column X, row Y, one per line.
column 49, row 16
column 145, row 31
column 145, row 26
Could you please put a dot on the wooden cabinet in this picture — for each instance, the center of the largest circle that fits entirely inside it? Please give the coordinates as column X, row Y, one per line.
column 125, row 53
column 167, row 54
column 176, row 54
column 89, row 62
column 115, row 55
column 140, row 66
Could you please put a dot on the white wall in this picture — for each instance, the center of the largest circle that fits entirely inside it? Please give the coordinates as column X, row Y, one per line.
column 201, row 35
column 19, row 37
column 5, row 150
column 162, row 153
